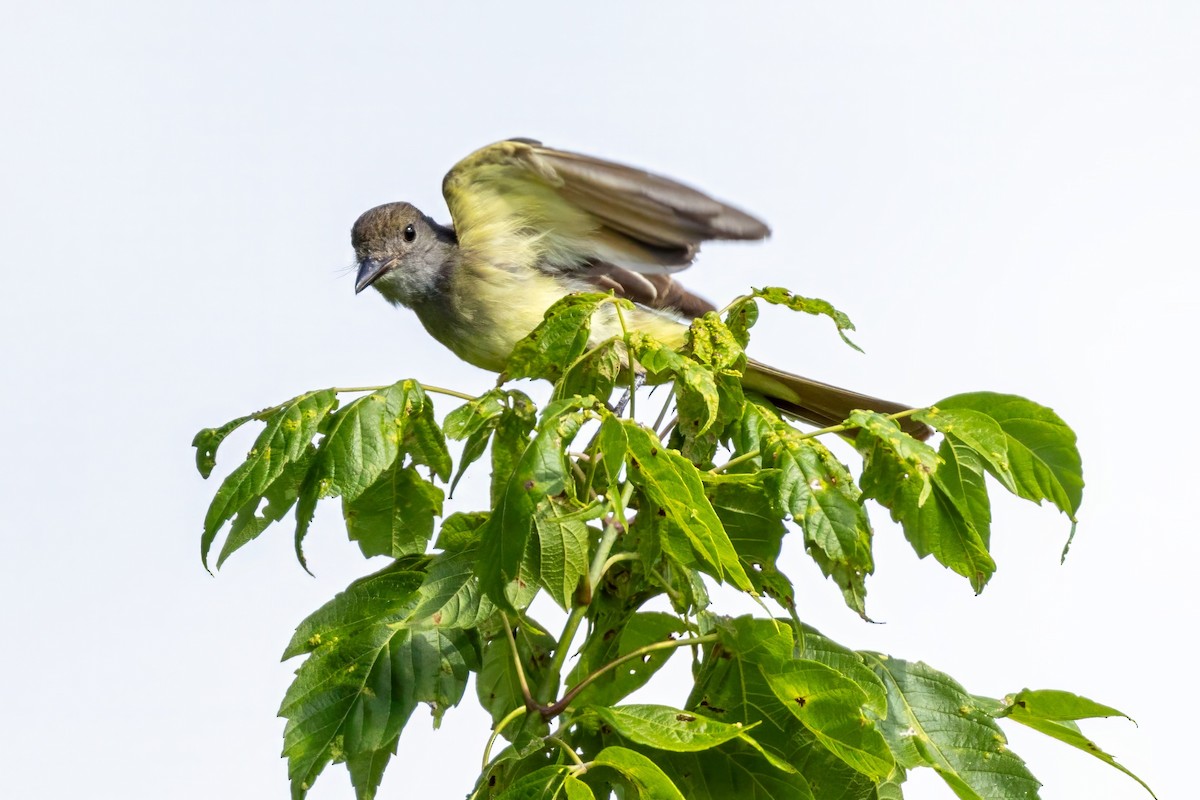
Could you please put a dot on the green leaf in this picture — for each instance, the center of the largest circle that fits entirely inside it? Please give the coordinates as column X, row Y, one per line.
column 1053, row 712
column 306, row 509
column 394, row 516
column 364, row 676
column 830, row 706
column 286, row 439
column 511, row 439
column 279, row 497
column 576, row 789
column 540, row 472
column 561, row 338
column 695, row 386
column 672, row 484
column 710, row 342
column 933, row 722
column 889, row 788
column 960, row 480
column 386, row 594
column 563, row 540
column 423, row 439
column 616, row 635
column 366, row 769
column 666, row 728
column 733, row 770
column 364, row 439
column 595, row 372
column 732, row 686
column 642, row 776
column 543, row 784
column 808, row 481
column 511, row 765
column 474, row 421
column 450, row 596
column 208, row 440
column 1042, row 452
column 1058, row 705
column 880, row 437
column 699, row 430
column 475, row 415
column 755, row 528
column 952, row 524
column 498, row 686
column 741, row 317
column 613, row 446
column 737, row 768
column 460, row 531
column 815, row 646
column 977, row 431
column 809, row 305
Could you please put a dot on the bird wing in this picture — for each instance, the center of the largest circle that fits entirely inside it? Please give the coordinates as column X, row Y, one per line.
column 525, row 204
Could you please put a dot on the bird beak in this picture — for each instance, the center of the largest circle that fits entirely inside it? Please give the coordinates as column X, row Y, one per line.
column 369, row 271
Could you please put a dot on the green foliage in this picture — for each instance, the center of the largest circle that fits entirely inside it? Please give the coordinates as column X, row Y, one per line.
column 623, row 525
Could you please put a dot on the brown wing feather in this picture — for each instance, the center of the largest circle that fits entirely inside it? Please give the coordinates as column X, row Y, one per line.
column 562, row 211
column 655, row 291
column 645, row 206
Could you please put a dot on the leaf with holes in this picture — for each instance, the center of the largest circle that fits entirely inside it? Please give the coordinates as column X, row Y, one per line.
column 933, row 722
column 285, row 440
column 672, row 484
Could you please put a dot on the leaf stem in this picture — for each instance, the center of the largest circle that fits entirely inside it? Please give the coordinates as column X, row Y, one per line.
column 500, row 726
column 618, row 558
column 733, row 462
column 846, row 426
column 566, row 748
column 629, row 357
column 427, row 387
column 585, row 480
column 559, row 706
column 269, row 410
column 666, row 407
column 530, row 703
column 734, row 302
column 672, row 593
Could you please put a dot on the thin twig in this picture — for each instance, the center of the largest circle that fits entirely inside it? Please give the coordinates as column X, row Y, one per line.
column 666, row 407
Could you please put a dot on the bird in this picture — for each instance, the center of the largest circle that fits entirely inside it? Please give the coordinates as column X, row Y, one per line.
column 532, row 224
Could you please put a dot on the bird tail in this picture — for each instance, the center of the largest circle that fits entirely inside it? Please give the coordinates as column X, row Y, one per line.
column 820, row 403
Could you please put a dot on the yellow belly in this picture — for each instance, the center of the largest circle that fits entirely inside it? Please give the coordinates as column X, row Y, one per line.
column 490, row 309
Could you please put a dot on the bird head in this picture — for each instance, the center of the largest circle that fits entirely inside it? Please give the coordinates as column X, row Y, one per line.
column 399, row 251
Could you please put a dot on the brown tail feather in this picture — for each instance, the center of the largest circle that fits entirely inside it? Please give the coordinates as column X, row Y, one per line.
column 820, row 403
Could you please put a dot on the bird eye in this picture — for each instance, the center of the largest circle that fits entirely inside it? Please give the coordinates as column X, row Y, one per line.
column 410, row 233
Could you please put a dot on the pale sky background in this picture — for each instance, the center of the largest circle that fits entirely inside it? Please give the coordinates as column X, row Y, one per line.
column 1002, row 196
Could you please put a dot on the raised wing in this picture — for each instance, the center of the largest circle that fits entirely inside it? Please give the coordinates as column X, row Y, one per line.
column 522, row 203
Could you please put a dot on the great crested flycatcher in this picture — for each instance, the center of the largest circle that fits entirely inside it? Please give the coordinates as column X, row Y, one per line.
column 532, row 224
